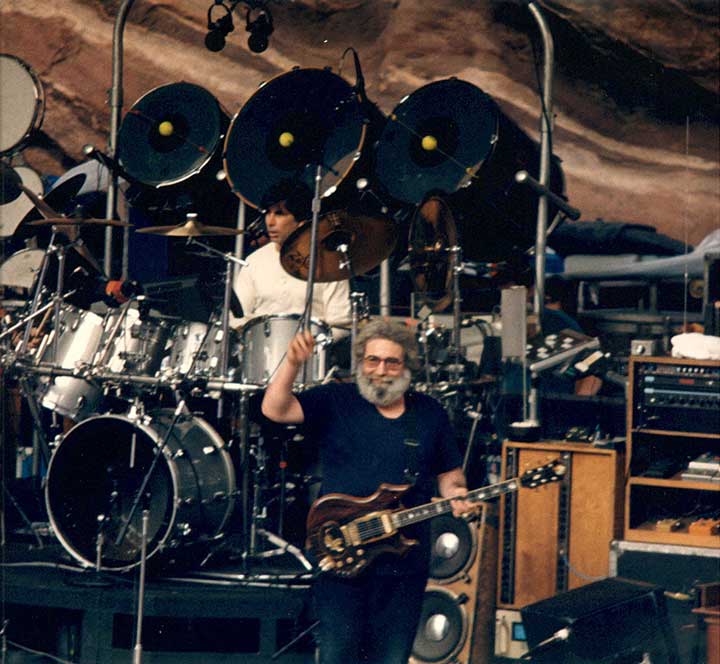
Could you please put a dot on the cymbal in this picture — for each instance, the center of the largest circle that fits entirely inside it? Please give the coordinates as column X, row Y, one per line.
column 45, row 210
column 191, row 228
column 369, row 241
column 68, row 221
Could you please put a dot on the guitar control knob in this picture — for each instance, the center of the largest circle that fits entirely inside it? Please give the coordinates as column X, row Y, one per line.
column 326, row 564
column 361, row 552
column 349, row 559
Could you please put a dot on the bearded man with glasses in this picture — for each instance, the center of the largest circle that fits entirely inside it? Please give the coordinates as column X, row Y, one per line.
column 370, row 432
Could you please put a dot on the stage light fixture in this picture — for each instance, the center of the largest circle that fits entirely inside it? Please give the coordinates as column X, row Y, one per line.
column 260, row 29
column 218, row 29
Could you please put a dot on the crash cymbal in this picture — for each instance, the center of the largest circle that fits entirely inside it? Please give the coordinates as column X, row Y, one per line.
column 369, row 241
column 69, row 221
column 39, row 203
column 191, row 228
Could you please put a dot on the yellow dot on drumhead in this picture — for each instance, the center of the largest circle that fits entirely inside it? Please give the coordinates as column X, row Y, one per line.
column 429, row 143
column 286, row 139
column 165, row 128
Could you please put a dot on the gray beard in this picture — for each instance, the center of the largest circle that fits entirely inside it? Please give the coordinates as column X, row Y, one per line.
column 384, row 394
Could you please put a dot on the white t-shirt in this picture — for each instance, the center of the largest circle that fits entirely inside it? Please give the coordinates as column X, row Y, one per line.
column 264, row 288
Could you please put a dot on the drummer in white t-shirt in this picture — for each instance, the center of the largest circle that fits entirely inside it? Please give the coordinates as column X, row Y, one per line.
column 264, row 288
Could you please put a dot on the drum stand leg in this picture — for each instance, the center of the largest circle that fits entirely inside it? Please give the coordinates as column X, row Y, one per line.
column 37, row 421
column 282, row 547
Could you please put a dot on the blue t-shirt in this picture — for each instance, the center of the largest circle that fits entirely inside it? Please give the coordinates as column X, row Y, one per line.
column 360, row 449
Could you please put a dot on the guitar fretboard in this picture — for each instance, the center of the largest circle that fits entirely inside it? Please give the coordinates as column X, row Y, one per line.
column 430, row 510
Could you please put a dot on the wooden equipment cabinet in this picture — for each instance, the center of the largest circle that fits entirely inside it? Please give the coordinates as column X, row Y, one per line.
column 557, row 537
column 672, row 418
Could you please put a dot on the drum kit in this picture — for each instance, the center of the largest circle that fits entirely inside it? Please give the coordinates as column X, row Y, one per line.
column 446, row 152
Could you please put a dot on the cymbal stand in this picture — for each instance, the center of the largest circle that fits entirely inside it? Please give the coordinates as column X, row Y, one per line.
column 358, row 300
column 456, row 346
column 257, row 516
column 30, row 317
column 229, row 259
column 38, row 291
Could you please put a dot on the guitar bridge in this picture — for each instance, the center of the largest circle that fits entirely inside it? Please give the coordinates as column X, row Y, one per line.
column 369, row 528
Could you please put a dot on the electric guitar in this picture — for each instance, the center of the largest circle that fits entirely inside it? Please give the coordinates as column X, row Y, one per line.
column 346, row 533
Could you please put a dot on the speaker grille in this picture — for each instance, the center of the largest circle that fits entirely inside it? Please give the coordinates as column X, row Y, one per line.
column 454, row 547
column 443, row 627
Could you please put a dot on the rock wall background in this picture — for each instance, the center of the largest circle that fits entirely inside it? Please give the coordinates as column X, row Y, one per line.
column 636, row 82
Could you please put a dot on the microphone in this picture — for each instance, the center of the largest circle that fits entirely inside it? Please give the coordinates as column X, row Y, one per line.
column 359, row 78
column 257, row 226
column 111, row 164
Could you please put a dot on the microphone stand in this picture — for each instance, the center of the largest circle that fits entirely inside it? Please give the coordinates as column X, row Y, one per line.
column 148, row 475
column 307, row 318
column 116, row 102
column 545, row 156
column 137, row 650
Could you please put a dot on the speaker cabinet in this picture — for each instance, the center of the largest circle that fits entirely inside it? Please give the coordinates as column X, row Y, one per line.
column 557, row 537
column 613, row 620
column 457, row 617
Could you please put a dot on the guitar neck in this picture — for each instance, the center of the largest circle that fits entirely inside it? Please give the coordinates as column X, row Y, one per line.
column 429, row 510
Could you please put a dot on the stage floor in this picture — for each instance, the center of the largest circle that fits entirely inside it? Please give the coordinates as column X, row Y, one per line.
column 220, row 614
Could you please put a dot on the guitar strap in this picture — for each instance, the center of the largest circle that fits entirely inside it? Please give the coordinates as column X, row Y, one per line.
column 411, row 443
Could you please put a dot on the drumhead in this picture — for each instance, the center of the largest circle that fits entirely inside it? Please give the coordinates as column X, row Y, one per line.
column 294, row 120
column 22, row 103
column 436, row 140
column 170, row 134
column 20, row 269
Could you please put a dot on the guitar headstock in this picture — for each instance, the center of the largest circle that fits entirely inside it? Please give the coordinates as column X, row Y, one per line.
column 550, row 472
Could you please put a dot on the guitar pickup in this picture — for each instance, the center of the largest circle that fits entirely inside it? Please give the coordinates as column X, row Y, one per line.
column 371, row 527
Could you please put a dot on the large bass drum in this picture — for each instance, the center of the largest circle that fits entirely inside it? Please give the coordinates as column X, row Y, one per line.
column 95, row 474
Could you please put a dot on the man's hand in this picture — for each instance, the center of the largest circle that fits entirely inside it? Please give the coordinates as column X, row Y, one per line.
column 452, row 484
column 300, row 348
column 460, row 506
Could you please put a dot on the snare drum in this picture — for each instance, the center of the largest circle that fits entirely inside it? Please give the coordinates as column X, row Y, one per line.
column 265, row 341
column 132, row 344
column 22, row 102
column 80, row 333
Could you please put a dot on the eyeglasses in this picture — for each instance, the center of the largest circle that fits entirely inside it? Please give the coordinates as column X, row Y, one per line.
column 391, row 363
